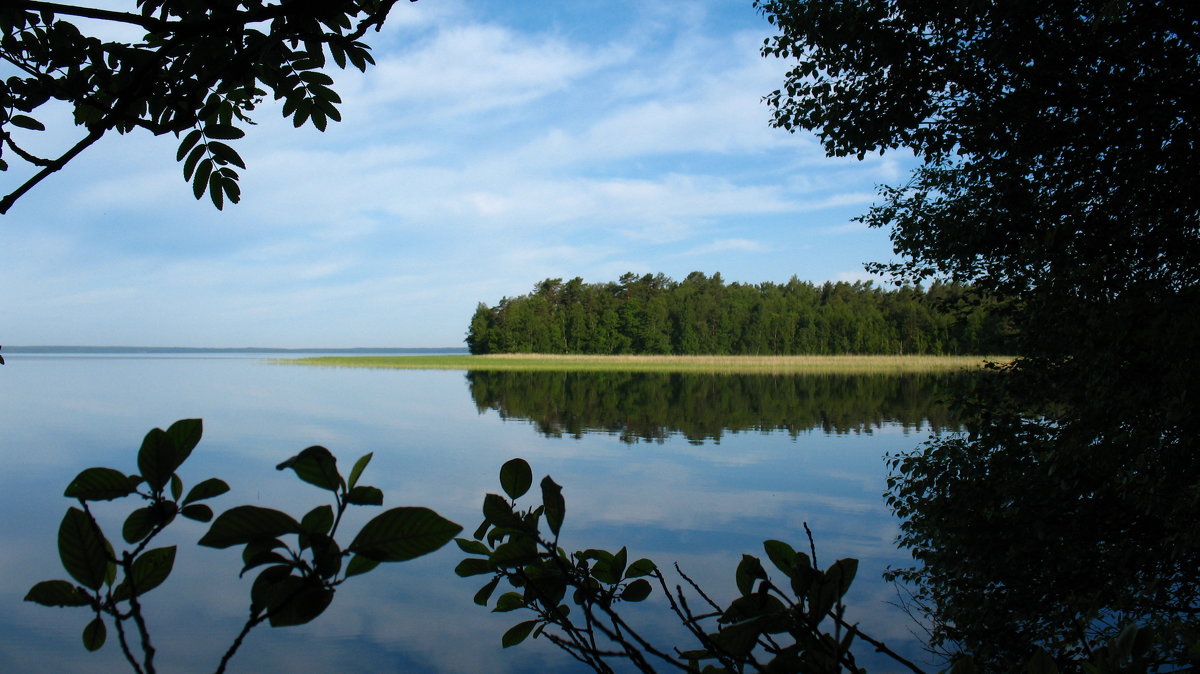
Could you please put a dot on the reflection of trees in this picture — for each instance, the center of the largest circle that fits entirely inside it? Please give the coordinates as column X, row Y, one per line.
column 653, row 406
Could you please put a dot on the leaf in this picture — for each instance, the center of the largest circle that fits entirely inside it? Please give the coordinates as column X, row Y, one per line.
column 200, row 180
column 637, row 590
column 26, row 122
column 57, row 593
column 226, row 154
column 319, row 520
column 473, row 566
column 841, row 574
column 485, row 593
column 403, row 533
column 317, row 466
column 781, row 555
column 365, row 496
column 138, row 525
column 186, row 433
column 223, row 132
column 150, row 569
column 214, row 190
column 359, row 565
column 358, row 468
column 509, row 601
column 515, row 478
column 157, row 459
column 498, row 511
column 100, row 484
column 94, row 634
column 517, row 633
column 193, row 159
column 189, row 141
column 552, row 500
column 206, row 490
column 641, row 567
column 296, row 601
column 82, row 549
column 176, row 487
column 245, row 524
column 748, row 571
column 472, row 547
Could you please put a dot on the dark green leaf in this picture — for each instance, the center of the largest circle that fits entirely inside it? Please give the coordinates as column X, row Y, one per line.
column 552, row 500
column 189, row 166
column 509, row 601
column 295, row 601
column 365, row 496
column 138, row 524
column 82, row 549
column 516, row 478
column 226, row 154
column 472, row 547
column 186, row 433
column 206, row 490
column 319, row 520
column 186, row 145
column 403, row 533
column 157, row 459
column 359, row 565
column 245, row 524
column 176, row 487
column 150, row 569
column 26, row 122
column 57, row 593
column 358, row 468
column 517, row 633
column 200, row 180
column 94, row 634
column 637, row 590
column 748, row 571
column 100, row 484
column 497, row 511
column 317, row 466
column 517, row 552
column 781, row 555
column 485, row 593
column 223, row 132
column 214, row 190
column 473, row 566
column 841, row 574
column 641, row 567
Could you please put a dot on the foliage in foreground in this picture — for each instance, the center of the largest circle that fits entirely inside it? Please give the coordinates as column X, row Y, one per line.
column 798, row 624
column 297, row 580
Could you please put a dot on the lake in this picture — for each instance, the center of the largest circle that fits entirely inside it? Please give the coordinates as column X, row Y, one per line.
column 694, row 469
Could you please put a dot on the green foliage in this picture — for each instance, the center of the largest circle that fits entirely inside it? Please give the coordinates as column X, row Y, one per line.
column 199, row 71
column 1056, row 170
column 297, row 581
column 703, row 315
column 576, row 598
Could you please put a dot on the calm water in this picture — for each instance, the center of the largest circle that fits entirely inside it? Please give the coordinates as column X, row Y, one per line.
column 640, row 458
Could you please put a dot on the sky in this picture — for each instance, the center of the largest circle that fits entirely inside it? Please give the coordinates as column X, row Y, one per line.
column 494, row 145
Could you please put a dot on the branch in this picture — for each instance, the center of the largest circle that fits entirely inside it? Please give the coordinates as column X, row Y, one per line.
column 56, row 165
column 880, row 647
column 147, row 22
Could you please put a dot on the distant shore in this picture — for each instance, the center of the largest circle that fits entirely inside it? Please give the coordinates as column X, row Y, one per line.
column 848, row 364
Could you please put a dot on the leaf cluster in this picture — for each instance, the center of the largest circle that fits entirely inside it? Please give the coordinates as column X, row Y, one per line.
column 199, row 71
column 110, row 584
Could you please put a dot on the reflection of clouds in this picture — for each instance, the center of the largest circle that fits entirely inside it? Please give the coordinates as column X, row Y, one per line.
column 702, row 506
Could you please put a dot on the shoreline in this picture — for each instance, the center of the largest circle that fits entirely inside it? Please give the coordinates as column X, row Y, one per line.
column 842, row 364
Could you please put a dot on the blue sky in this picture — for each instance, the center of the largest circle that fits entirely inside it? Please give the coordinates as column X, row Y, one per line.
column 495, row 144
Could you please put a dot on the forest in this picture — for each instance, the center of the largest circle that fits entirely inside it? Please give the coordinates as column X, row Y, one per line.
column 653, row 314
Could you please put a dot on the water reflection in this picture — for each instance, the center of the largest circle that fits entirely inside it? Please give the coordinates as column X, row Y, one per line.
column 643, row 407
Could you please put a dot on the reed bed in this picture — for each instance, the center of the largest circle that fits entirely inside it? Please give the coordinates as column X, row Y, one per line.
column 848, row 364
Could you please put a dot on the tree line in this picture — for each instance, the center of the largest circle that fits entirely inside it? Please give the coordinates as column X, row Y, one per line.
column 652, row 314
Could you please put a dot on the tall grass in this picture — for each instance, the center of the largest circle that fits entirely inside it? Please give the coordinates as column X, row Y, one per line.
column 849, row 364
